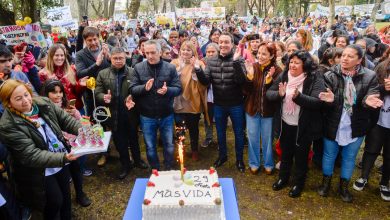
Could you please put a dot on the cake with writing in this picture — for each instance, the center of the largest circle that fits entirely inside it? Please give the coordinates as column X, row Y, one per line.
column 195, row 195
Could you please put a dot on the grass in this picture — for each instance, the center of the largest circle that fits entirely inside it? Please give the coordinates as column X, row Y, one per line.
column 379, row 25
column 256, row 199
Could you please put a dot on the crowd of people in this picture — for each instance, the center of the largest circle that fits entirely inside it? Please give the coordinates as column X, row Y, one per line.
column 293, row 90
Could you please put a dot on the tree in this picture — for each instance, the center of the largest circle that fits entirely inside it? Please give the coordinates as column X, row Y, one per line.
column 83, row 8
column 375, row 10
column 133, row 8
column 172, row 4
column 331, row 13
column 7, row 15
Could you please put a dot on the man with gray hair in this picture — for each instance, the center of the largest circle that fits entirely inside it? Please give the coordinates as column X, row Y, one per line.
column 112, row 91
column 154, row 84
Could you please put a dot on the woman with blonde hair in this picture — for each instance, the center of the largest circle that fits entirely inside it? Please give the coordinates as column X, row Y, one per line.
column 305, row 38
column 31, row 128
column 192, row 102
column 57, row 67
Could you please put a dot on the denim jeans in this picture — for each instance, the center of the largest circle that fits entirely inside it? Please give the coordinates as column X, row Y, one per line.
column 259, row 127
column 149, row 129
column 348, row 157
column 236, row 113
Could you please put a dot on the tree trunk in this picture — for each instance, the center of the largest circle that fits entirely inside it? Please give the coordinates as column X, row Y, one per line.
column 112, row 8
column 172, row 5
column 375, row 10
column 8, row 17
column 105, row 8
column 29, row 9
column 164, row 7
column 134, row 7
column 155, row 6
column 331, row 13
column 83, row 8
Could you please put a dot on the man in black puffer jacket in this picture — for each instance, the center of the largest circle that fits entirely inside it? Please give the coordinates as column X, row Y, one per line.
column 153, row 85
column 227, row 74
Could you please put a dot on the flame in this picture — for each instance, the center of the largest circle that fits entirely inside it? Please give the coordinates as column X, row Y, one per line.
column 181, row 159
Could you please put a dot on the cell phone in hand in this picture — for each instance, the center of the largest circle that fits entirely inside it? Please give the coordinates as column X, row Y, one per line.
column 72, row 102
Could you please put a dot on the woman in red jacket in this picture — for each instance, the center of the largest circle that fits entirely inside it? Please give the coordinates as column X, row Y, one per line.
column 57, row 67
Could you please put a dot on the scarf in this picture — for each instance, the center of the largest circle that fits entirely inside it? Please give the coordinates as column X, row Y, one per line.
column 349, row 94
column 293, row 82
column 29, row 116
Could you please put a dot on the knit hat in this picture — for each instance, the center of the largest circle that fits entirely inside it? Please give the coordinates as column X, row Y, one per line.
column 370, row 42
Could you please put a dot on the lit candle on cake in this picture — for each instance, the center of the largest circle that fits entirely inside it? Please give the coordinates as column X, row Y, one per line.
column 180, row 135
column 181, row 160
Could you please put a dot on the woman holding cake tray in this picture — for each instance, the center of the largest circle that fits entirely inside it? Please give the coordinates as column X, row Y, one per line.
column 297, row 89
column 259, row 111
column 31, row 128
column 192, row 102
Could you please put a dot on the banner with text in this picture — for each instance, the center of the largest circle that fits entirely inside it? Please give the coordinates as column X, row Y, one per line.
column 17, row 34
column 212, row 12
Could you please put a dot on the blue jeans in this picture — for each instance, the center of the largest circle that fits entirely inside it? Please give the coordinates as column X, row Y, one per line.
column 149, row 129
column 348, row 157
column 236, row 113
column 257, row 127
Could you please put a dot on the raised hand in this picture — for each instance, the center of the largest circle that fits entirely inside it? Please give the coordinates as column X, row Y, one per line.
column 282, row 89
column 327, row 96
column 129, row 102
column 83, row 81
column 107, row 97
column 387, row 84
column 271, row 72
column 149, row 84
column 296, row 93
column 249, row 70
column 99, row 59
column 163, row 89
column 373, row 101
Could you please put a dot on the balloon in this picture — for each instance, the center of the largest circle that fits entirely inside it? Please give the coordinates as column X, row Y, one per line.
column 27, row 20
column 28, row 28
column 19, row 22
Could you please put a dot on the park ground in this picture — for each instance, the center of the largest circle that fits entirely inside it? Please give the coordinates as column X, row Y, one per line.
column 256, row 199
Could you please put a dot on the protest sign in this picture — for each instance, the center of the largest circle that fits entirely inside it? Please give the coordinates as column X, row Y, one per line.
column 164, row 18
column 56, row 16
column 211, row 12
column 17, row 34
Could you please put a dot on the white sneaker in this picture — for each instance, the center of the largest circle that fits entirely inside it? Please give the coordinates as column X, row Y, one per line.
column 359, row 184
column 385, row 192
column 277, row 166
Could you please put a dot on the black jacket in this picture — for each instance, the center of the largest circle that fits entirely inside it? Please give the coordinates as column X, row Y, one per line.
column 150, row 103
column 310, row 119
column 109, row 79
column 366, row 83
column 227, row 77
column 86, row 64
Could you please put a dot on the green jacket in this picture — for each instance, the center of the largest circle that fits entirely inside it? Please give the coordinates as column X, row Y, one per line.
column 107, row 80
column 28, row 151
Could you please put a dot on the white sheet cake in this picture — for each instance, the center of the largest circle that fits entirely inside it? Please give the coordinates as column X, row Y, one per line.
column 198, row 197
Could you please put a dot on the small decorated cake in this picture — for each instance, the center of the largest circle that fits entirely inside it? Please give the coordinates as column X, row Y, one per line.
column 195, row 195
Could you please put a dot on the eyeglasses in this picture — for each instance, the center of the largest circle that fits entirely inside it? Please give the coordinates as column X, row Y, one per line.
column 5, row 60
column 173, row 37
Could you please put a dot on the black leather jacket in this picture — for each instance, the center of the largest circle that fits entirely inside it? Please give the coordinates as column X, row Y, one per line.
column 366, row 83
column 227, row 77
column 150, row 103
